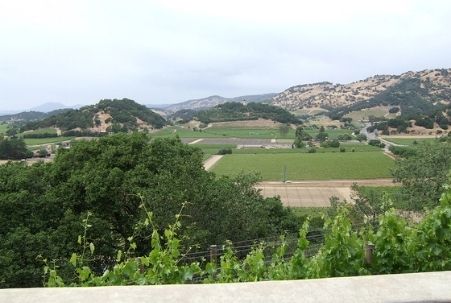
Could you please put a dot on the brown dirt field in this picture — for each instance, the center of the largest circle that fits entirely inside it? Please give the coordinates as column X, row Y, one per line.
column 315, row 193
column 306, row 196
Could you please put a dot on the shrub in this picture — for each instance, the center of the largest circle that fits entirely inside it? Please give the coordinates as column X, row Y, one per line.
column 342, row 149
column 225, row 151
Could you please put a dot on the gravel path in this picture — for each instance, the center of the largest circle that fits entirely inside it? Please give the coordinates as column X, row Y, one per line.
column 210, row 162
column 196, row 141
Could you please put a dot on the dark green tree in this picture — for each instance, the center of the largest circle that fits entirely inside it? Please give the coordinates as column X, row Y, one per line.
column 423, row 174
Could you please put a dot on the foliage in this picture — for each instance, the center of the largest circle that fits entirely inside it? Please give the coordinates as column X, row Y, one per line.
column 423, row 174
column 398, row 248
column 361, row 137
column 330, row 143
column 123, row 111
column 13, row 149
column 233, row 111
column 284, row 129
column 224, row 151
column 376, row 142
column 402, row 151
column 41, row 206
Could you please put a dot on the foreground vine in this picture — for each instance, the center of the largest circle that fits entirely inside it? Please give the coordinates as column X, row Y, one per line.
column 399, row 247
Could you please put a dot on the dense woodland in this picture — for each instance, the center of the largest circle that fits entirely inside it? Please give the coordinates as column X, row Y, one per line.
column 42, row 207
column 233, row 111
column 123, row 117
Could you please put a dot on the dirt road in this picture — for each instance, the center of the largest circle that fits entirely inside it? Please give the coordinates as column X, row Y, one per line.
column 210, row 162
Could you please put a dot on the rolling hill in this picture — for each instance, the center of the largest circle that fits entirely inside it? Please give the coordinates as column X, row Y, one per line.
column 212, row 101
column 234, row 111
column 107, row 115
column 433, row 85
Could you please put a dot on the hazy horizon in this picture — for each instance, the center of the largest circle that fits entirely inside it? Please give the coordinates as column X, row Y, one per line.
column 161, row 52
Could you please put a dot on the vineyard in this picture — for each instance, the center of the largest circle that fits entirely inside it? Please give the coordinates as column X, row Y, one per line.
column 392, row 246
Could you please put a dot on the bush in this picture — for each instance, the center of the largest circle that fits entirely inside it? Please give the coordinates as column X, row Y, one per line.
column 345, row 137
column 342, row 149
column 402, row 151
column 393, row 110
column 224, row 151
column 38, row 136
column 374, row 142
column 311, row 150
column 361, row 137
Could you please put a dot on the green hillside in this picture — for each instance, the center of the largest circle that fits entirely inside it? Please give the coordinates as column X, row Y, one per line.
column 411, row 95
column 124, row 114
column 234, row 111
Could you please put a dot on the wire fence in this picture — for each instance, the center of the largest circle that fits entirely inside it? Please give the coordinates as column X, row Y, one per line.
column 240, row 249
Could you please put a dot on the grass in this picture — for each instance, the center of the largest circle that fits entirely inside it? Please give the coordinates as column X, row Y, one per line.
column 348, row 148
column 212, row 149
column 38, row 141
column 256, row 133
column 363, row 114
column 48, row 130
column 223, row 133
column 409, row 141
column 302, row 166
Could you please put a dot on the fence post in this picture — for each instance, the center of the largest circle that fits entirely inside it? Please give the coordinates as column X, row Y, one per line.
column 368, row 252
column 213, row 253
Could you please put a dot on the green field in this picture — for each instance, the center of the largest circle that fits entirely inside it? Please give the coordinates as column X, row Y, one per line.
column 38, row 141
column 409, row 141
column 348, row 148
column 257, row 133
column 302, row 166
column 48, row 130
column 223, row 133
column 212, row 149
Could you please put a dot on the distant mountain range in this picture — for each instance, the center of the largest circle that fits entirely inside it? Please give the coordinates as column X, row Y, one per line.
column 212, row 101
column 48, row 107
column 427, row 90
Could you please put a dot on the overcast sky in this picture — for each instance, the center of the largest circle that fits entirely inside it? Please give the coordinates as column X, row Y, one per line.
column 77, row 52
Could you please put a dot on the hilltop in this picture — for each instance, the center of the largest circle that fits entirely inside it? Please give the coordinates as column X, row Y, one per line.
column 30, row 115
column 435, row 86
column 212, row 101
column 233, row 111
column 107, row 115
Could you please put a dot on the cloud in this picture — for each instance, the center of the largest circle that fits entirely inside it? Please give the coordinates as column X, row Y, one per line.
column 167, row 51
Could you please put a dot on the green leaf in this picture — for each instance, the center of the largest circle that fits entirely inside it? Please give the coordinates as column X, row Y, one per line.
column 91, row 247
column 73, row 259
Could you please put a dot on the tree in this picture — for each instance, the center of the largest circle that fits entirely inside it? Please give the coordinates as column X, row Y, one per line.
column 11, row 131
column 423, row 173
column 284, row 129
column 14, row 149
column 322, row 136
column 361, row 137
column 42, row 206
column 302, row 134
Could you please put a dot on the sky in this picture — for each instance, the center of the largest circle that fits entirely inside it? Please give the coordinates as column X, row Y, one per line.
column 78, row 52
